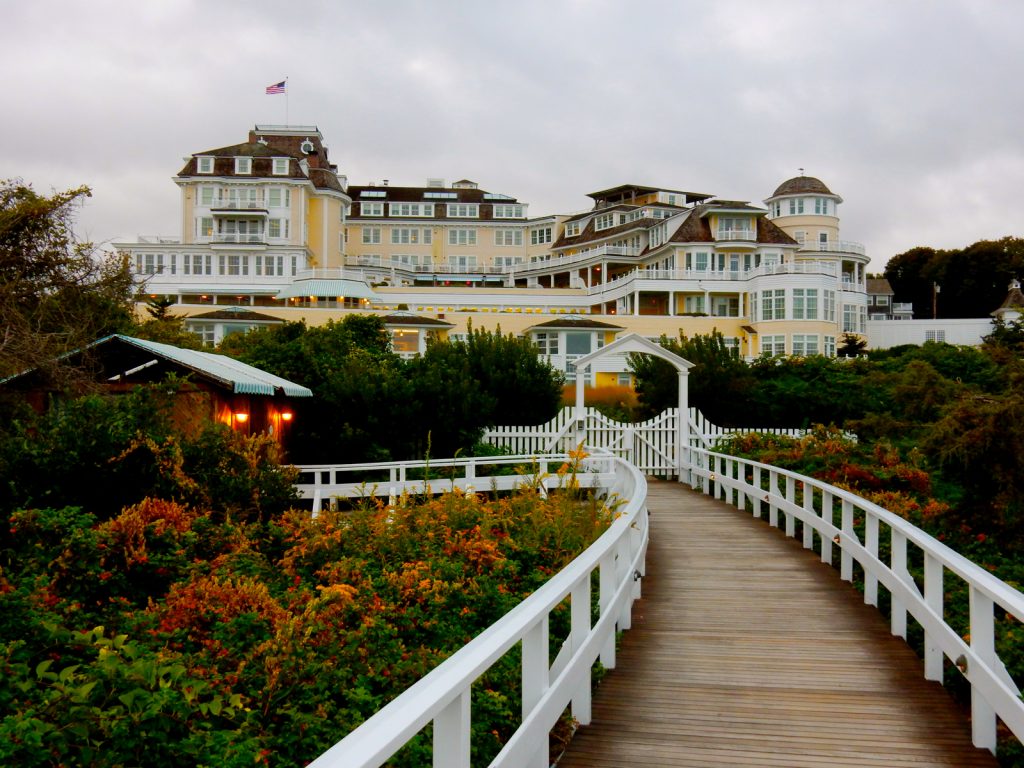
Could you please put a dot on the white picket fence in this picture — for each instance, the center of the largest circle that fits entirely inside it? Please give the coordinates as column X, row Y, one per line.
column 649, row 445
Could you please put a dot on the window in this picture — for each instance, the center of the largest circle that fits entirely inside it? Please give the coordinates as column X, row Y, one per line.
column 700, row 261
column 206, row 196
column 196, row 264
column 821, row 205
column 805, row 344
column 862, row 316
column 507, row 261
column 409, row 236
column 830, row 346
column 773, row 345
column 725, row 306
column 547, row 343
column 243, row 165
column 693, row 304
column 280, row 166
column 753, row 307
column 204, row 165
column 830, row 306
column 461, row 237
column 463, row 210
column 540, row 236
column 269, row 265
column 233, row 265
column 462, row 262
column 440, row 195
column 371, row 209
column 773, row 304
column 373, row 193
column 604, row 221
column 573, row 229
column 204, row 331
column 149, row 263
column 508, row 237
column 805, row 304
column 371, row 235
column 424, row 210
column 936, row 335
column 204, row 226
column 279, row 197
column 849, row 318
column 882, row 301
column 277, row 228
column 624, row 379
column 508, row 211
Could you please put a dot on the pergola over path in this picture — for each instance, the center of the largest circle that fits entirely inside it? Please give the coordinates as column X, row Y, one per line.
column 634, row 342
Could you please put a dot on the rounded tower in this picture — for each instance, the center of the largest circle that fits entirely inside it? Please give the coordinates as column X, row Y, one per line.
column 805, row 209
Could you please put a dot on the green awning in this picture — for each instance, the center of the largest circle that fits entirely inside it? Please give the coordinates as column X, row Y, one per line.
column 329, row 289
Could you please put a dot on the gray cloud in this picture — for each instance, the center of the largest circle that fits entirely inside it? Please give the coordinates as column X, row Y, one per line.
column 910, row 110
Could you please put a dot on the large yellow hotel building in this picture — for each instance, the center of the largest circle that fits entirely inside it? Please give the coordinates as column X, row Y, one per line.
column 270, row 231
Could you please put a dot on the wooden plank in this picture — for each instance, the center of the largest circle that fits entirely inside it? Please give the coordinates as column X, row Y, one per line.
column 747, row 651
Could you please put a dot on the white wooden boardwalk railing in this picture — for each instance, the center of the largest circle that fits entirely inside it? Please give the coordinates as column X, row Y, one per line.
column 796, row 500
column 442, row 697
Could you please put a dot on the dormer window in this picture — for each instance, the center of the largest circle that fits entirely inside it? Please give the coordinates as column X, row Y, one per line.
column 604, row 221
column 243, row 165
column 572, row 230
column 280, row 166
column 204, row 165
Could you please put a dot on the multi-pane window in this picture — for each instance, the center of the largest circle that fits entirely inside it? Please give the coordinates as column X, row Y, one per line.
column 206, row 196
column 425, row 210
column 540, row 236
column 547, row 343
column 862, row 316
column 204, row 226
column 573, row 229
column 196, row 264
column 796, row 205
column 753, row 306
column 243, row 165
column 204, row 165
column 461, row 237
column 821, row 205
column 605, row 221
column 700, row 261
column 508, row 211
column 277, row 228
column 830, row 346
column 805, row 304
column 507, row 261
column 149, row 263
column 279, row 197
column 269, row 265
column 204, row 331
column 773, row 345
column 371, row 209
column 232, row 265
column 849, row 318
column 462, row 262
column 463, row 210
column 508, row 237
column 830, row 306
column 805, row 344
column 410, row 236
column 694, row 305
column 280, row 166
column 371, row 235
column 773, row 304
column 935, row 335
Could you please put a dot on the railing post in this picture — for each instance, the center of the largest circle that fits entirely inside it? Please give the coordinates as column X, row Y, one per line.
column 727, row 466
column 791, row 498
column 607, row 586
column 808, row 529
column 827, row 517
column 773, row 508
column 536, row 681
column 451, row 734
column 846, row 559
column 982, row 629
column 898, row 563
column 622, row 563
column 580, row 618
column 741, row 482
column 933, row 596
column 758, row 492
column 871, row 543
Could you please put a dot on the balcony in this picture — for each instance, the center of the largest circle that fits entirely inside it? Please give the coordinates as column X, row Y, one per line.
column 736, row 233
column 238, row 238
column 834, row 246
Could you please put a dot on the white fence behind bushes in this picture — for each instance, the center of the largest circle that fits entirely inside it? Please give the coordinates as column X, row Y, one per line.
column 649, row 445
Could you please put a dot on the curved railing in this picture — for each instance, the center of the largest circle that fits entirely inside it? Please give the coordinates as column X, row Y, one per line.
column 442, row 697
column 813, row 504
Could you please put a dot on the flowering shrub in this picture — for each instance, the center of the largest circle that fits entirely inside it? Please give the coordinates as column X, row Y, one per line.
column 171, row 635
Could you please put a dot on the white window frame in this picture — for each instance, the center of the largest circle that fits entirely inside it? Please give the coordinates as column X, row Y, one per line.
column 204, row 165
column 773, row 345
column 540, row 235
column 371, row 235
column 507, row 211
column 371, row 209
column 463, row 210
column 243, row 166
column 805, row 344
column 460, row 236
column 280, row 166
column 508, row 237
column 547, row 342
column 411, row 210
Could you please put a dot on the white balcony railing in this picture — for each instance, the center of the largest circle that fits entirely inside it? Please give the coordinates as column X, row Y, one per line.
column 834, row 246
column 238, row 238
column 734, row 233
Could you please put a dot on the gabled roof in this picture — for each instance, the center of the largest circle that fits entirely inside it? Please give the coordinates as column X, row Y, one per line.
column 879, row 286
column 573, row 321
column 403, row 319
column 239, row 314
column 125, row 358
column 696, row 229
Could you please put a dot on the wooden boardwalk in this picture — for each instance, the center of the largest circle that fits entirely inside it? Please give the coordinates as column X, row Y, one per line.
column 747, row 651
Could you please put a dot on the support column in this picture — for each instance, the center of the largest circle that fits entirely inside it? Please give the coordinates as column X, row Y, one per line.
column 683, row 428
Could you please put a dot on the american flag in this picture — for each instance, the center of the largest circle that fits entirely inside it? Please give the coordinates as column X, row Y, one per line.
column 276, row 88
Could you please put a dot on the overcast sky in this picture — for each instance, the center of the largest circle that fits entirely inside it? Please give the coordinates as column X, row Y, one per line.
column 912, row 111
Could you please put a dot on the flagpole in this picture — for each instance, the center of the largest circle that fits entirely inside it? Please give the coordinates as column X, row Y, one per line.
column 286, row 100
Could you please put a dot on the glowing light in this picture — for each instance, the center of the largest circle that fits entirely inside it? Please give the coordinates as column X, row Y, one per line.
column 241, row 418
column 286, row 416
